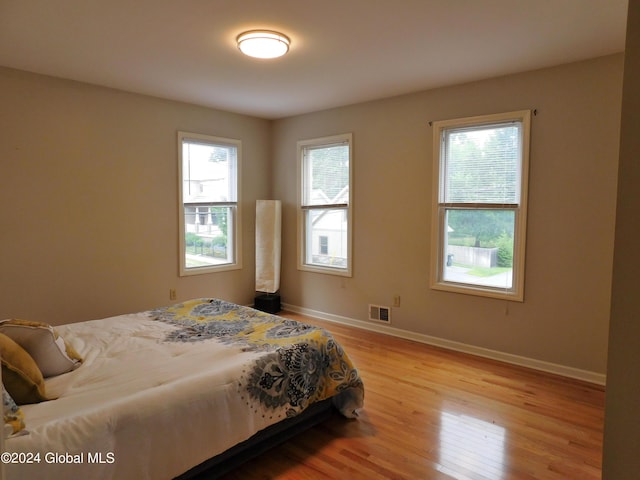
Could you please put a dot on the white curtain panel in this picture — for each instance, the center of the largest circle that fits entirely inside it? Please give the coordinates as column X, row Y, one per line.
column 268, row 232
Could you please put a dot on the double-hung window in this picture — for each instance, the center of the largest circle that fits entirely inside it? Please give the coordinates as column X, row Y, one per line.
column 325, row 205
column 480, row 204
column 209, row 171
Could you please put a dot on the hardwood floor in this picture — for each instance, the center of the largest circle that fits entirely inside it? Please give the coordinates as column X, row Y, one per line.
column 435, row 414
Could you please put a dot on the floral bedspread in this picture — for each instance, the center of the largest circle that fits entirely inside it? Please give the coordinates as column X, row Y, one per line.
column 294, row 365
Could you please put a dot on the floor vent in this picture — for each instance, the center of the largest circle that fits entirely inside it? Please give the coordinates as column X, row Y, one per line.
column 379, row 313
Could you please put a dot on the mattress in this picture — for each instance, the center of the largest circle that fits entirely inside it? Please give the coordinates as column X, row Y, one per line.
column 163, row 390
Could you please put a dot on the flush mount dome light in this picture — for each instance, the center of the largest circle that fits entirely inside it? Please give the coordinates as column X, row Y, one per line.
column 263, row 43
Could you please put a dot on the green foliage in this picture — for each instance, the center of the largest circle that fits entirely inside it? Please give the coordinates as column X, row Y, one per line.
column 215, row 247
column 192, row 240
column 221, row 216
column 330, row 169
column 461, row 240
column 486, row 271
column 486, row 226
column 219, row 241
column 505, row 250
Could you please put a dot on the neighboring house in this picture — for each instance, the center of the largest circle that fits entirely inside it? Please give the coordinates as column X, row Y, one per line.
column 329, row 241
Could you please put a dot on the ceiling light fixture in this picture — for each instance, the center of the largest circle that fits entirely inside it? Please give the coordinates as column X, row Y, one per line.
column 263, row 43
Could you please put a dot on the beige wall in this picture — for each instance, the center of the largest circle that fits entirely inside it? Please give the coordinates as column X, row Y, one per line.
column 574, row 153
column 89, row 211
column 622, row 419
column 88, row 199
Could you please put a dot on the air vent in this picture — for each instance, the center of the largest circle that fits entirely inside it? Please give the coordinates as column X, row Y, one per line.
column 379, row 313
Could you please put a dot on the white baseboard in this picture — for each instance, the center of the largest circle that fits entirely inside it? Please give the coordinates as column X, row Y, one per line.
column 571, row 372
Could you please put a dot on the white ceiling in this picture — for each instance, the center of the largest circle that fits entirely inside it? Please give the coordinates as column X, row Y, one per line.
column 342, row 52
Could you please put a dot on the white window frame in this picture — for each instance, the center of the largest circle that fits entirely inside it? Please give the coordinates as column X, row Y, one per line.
column 438, row 227
column 303, row 210
column 235, row 234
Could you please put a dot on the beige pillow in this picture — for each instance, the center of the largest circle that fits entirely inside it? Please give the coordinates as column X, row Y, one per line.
column 20, row 374
column 50, row 352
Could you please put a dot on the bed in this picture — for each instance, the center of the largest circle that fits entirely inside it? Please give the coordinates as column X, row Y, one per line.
column 174, row 391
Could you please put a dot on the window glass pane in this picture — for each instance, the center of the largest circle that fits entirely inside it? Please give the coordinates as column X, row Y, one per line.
column 483, row 164
column 208, row 172
column 326, row 175
column 207, row 235
column 326, row 237
column 209, row 212
column 479, row 247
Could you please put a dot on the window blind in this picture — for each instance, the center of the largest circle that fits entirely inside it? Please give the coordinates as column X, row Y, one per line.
column 482, row 165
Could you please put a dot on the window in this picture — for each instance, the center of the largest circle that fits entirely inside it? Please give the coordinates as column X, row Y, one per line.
column 209, row 212
column 480, row 204
column 324, row 245
column 324, row 213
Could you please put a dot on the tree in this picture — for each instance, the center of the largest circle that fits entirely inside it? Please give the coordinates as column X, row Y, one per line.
column 220, row 216
column 330, row 169
column 486, row 226
column 483, row 168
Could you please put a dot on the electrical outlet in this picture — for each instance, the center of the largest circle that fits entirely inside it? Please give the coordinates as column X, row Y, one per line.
column 396, row 300
column 172, row 294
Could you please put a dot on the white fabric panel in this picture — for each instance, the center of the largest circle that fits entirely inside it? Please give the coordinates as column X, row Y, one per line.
column 268, row 232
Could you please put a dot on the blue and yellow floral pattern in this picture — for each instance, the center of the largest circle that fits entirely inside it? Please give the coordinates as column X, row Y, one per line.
column 13, row 416
column 301, row 363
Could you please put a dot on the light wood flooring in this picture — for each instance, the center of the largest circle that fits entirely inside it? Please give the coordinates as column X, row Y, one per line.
column 435, row 414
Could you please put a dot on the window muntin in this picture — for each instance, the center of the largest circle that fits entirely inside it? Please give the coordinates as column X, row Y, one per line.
column 209, row 209
column 324, row 213
column 479, row 226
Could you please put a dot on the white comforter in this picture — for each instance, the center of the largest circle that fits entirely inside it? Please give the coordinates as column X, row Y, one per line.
column 139, row 407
